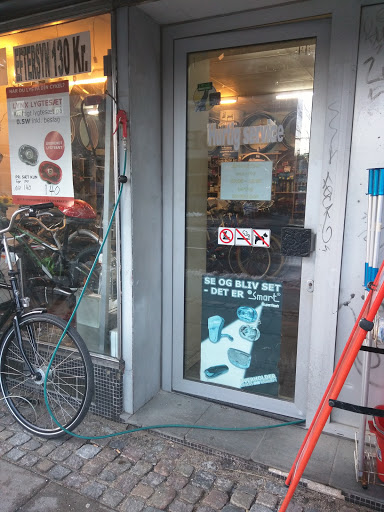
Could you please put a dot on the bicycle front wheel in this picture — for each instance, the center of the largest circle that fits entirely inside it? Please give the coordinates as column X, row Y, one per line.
column 70, row 381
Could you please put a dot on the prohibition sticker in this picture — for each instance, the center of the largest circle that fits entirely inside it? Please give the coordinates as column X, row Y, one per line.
column 243, row 236
column 261, row 238
column 226, row 236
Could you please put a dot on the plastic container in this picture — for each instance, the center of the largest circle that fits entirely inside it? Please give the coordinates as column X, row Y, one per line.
column 377, row 427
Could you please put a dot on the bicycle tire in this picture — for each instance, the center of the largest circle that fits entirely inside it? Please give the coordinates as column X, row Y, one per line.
column 82, row 267
column 70, row 383
column 253, row 261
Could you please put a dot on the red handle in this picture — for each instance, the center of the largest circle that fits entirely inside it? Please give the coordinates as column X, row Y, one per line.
column 121, row 117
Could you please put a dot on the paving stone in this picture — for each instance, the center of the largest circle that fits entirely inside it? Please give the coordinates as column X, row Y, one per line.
column 224, row 484
column 162, row 497
column 191, row 494
column 93, row 467
column 58, row 472
column 231, row 508
column 132, row 453
column 279, row 490
column 32, row 445
column 177, row 481
column 132, row 505
column 151, row 509
column 88, row 451
column 5, row 434
column 203, row 479
column 216, row 499
column 209, row 465
column 266, row 499
column 141, row 468
column 19, row 439
column 260, row 508
column 44, row 465
column 293, row 507
column 108, row 454
column 242, row 499
column 174, row 452
column 46, row 449
column 117, row 444
column 29, row 460
column 142, row 491
column 75, row 480
column 119, row 466
column 126, row 482
column 112, row 498
column 205, row 509
column 4, row 448
column 343, row 509
column 74, row 462
column 60, row 453
column 93, row 490
column 184, row 469
column 15, row 454
column 153, row 479
column 108, row 476
column 165, row 467
column 180, row 506
column 151, row 456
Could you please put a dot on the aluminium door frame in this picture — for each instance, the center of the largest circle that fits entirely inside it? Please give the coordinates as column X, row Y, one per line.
column 294, row 31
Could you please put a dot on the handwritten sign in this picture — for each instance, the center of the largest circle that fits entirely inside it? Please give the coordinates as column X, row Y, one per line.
column 246, row 181
column 53, row 58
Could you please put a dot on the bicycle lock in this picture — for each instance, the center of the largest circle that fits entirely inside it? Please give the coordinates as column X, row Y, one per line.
column 121, row 119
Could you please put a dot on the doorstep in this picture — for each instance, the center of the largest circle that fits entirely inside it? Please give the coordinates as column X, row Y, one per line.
column 331, row 464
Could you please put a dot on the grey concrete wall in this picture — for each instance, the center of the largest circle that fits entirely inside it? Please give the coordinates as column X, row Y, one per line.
column 140, row 94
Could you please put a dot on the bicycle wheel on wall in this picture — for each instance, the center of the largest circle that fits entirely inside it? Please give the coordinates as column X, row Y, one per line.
column 70, row 382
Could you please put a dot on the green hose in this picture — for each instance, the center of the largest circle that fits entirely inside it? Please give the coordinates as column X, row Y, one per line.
column 151, row 427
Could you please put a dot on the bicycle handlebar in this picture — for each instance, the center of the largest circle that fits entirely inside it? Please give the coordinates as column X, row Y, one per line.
column 32, row 210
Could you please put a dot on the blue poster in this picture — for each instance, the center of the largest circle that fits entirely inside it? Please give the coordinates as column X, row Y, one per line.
column 241, row 333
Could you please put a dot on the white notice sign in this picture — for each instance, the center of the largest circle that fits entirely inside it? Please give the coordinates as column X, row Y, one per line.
column 40, row 143
column 246, row 181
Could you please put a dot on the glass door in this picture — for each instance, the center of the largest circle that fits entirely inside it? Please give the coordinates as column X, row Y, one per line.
column 247, row 139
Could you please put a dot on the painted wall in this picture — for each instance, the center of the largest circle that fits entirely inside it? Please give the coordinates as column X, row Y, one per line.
column 138, row 52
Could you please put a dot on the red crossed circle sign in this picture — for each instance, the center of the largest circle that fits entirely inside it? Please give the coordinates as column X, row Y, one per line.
column 226, row 236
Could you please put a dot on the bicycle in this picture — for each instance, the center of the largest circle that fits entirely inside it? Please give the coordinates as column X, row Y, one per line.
column 26, row 348
column 57, row 266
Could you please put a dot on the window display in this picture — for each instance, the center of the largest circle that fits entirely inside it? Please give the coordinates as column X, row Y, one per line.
column 55, row 130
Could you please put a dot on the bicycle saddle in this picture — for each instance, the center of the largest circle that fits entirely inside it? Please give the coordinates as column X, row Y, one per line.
column 215, row 326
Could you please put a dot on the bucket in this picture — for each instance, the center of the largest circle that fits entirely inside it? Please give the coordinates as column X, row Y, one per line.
column 377, row 427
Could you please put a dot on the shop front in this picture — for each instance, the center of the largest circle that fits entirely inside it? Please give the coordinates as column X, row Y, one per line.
column 231, row 271
column 56, row 146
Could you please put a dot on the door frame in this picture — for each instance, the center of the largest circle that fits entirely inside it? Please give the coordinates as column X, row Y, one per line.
column 314, row 28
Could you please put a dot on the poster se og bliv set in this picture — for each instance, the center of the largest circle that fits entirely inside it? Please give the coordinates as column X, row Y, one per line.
column 241, row 333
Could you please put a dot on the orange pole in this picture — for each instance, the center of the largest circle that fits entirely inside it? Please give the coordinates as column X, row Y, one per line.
column 333, row 391
column 366, row 302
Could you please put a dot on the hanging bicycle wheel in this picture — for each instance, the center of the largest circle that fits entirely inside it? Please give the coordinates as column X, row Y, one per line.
column 70, row 381
column 256, row 124
column 252, row 261
column 289, row 125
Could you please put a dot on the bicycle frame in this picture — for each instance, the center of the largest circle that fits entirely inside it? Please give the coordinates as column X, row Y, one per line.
column 26, row 238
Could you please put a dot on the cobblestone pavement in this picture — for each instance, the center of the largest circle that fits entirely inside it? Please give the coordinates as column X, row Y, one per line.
column 146, row 472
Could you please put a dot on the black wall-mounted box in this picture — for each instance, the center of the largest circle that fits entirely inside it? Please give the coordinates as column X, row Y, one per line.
column 296, row 241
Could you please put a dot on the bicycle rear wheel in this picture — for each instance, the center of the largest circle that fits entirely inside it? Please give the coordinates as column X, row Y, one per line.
column 70, row 382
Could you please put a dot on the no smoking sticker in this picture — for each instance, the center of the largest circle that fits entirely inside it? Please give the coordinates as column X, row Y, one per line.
column 226, row 236
column 243, row 236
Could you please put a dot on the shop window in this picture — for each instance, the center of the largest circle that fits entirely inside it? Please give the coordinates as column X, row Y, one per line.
column 55, row 145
